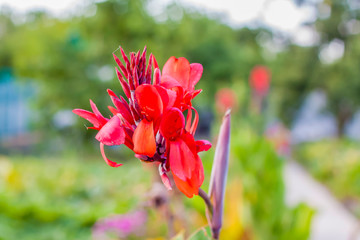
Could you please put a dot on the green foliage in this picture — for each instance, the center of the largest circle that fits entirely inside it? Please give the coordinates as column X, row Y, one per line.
column 265, row 214
column 298, row 70
column 336, row 164
column 201, row 234
column 59, row 199
column 64, row 57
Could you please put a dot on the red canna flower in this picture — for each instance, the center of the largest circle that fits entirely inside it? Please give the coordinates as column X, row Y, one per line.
column 182, row 76
column 152, row 123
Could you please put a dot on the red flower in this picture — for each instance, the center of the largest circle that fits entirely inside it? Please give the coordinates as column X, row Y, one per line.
column 152, row 123
column 260, row 79
column 182, row 76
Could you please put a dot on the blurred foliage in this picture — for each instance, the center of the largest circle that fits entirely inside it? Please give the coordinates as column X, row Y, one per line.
column 336, row 164
column 59, row 199
column 71, row 61
column 263, row 213
column 70, row 58
column 298, row 70
column 62, row 198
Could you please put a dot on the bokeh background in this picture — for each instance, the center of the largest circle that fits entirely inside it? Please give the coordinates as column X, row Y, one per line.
column 289, row 69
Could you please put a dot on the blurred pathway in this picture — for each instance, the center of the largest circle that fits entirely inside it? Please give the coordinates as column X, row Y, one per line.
column 331, row 221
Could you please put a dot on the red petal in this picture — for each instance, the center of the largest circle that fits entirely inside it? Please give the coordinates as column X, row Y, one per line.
column 202, row 145
column 179, row 69
column 195, row 122
column 121, row 106
column 198, row 174
column 172, row 123
column 182, row 160
column 144, row 139
column 108, row 161
column 124, row 84
column 186, row 186
column 88, row 116
column 149, row 101
column 157, row 75
column 169, row 82
column 168, row 97
column 188, row 119
column 164, row 178
column 190, row 141
column 113, row 110
column 196, row 70
column 98, row 115
column 111, row 133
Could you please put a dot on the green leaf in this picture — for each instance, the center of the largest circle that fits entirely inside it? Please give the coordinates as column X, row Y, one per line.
column 203, row 233
column 179, row 236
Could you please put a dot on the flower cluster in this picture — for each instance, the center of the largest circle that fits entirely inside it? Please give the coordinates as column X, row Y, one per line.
column 152, row 123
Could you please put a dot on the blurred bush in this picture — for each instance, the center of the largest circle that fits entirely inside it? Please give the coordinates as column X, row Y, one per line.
column 336, row 164
column 259, row 174
column 63, row 198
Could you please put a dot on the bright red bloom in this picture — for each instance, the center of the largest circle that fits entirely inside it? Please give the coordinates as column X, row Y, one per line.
column 260, row 79
column 152, row 123
column 182, row 76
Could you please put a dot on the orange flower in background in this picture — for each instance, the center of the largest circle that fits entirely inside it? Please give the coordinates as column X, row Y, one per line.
column 152, row 122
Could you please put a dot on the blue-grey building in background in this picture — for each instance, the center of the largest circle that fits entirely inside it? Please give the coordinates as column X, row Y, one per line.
column 14, row 105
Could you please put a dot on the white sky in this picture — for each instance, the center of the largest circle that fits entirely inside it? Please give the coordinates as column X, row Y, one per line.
column 282, row 15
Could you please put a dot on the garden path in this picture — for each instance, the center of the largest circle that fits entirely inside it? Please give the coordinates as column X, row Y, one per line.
column 331, row 220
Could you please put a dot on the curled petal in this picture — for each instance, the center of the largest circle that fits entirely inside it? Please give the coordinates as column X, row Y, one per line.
column 144, row 139
column 202, row 145
column 112, row 133
column 172, row 123
column 108, row 161
column 195, row 122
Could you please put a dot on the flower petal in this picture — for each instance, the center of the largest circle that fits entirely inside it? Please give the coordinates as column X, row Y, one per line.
column 179, row 69
column 172, row 124
column 108, row 161
column 186, row 186
column 196, row 70
column 121, row 106
column 149, row 101
column 168, row 97
column 164, row 177
column 98, row 115
column 202, row 145
column 88, row 116
column 144, row 139
column 112, row 133
column 182, row 160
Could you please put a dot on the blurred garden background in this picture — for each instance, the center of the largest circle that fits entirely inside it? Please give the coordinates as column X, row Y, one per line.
column 289, row 69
